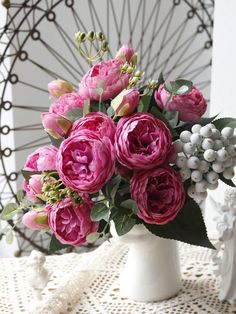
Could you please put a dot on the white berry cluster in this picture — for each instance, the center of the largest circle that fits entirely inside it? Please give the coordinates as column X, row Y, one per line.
column 202, row 155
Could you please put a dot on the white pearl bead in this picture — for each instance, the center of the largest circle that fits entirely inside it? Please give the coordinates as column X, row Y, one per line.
column 207, row 143
column 229, row 173
column 201, row 186
column 234, row 162
column 193, row 162
column 218, row 144
column 212, row 126
column 196, row 139
column 229, row 162
column 178, row 146
column 185, row 136
column 192, row 191
column 233, row 140
column 185, row 173
column 231, row 149
column 189, row 148
column 218, row 167
column 196, row 176
column 215, row 134
column 213, row 186
column 227, row 132
column 212, row 177
column 181, row 161
column 225, row 141
column 204, row 166
column 209, row 155
column 222, row 155
column 206, row 131
column 196, row 128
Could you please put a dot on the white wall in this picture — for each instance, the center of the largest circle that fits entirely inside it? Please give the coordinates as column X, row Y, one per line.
column 223, row 85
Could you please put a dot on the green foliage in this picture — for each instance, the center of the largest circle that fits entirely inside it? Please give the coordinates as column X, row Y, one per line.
column 223, row 122
column 20, row 195
column 99, row 211
column 178, row 87
column 187, row 227
column 93, row 237
column 226, row 181
column 182, row 126
column 74, row 114
column 172, row 117
column 123, row 222
column 55, row 142
column 55, row 245
column 130, row 204
column 110, row 112
column 86, row 107
column 9, row 237
column 144, row 103
column 9, row 211
column 111, row 187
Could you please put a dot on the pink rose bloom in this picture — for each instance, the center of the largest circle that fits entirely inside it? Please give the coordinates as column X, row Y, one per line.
column 36, row 220
column 70, row 222
column 66, row 102
column 56, row 125
column 97, row 122
column 126, row 102
column 43, row 159
column 106, row 75
column 85, row 161
column 142, row 141
column 34, row 187
column 125, row 53
column 159, row 194
column 190, row 106
column 59, row 87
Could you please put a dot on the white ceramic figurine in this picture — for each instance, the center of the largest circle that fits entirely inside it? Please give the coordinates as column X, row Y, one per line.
column 226, row 226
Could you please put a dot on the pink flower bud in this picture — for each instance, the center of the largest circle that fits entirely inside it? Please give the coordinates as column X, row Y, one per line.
column 56, row 125
column 126, row 102
column 125, row 53
column 33, row 187
column 59, row 87
column 36, row 220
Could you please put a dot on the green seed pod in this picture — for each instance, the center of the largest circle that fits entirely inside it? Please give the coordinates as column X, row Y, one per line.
column 134, row 81
column 138, row 74
column 130, row 70
column 91, row 36
column 100, row 36
column 104, row 46
column 82, row 37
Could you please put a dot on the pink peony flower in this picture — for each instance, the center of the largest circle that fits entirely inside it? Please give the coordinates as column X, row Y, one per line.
column 59, row 87
column 66, row 102
column 125, row 53
column 85, row 161
column 34, row 187
column 36, row 220
column 159, row 194
column 106, row 75
column 126, row 102
column 142, row 141
column 71, row 222
column 56, row 125
column 43, row 159
column 97, row 122
column 190, row 106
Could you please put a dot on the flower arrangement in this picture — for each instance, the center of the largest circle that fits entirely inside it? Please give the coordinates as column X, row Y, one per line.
column 125, row 153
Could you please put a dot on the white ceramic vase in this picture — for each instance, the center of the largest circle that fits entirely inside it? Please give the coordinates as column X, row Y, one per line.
column 152, row 270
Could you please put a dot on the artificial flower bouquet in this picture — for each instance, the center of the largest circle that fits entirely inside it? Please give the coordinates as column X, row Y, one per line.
column 124, row 152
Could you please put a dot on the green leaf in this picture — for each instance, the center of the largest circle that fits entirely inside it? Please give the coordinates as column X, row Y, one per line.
column 182, row 87
column 182, row 126
column 110, row 189
column 145, row 102
column 161, row 79
column 110, row 112
column 99, row 211
column 168, row 87
column 226, row 181
column 9, row 211
column 187, row 227
column 99, row 91
column 93, row 237
column 55, row 142
column 123, row 223
column 20, row 195
column 74, row 114
column 172, row 117
column 55, row 245
column 130, row 204
column 223, row 122
column 28, row 174
column 86, row 107
column 140, row 107
column 9, row 237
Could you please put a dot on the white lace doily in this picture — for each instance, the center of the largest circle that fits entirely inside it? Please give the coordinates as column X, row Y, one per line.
column 88, row 284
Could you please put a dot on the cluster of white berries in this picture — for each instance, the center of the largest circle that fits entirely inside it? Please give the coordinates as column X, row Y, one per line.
column 202, row 155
